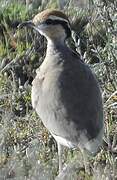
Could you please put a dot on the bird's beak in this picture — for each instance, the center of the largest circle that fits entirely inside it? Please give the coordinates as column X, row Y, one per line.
column 28, row 24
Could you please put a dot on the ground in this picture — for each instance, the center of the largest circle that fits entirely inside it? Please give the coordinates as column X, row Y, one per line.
column 27, row 150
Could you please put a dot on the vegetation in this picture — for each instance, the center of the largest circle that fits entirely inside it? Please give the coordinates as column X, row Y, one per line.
column 27, row 150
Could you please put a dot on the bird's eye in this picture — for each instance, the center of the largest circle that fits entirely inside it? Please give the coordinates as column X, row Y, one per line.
column 48, row 21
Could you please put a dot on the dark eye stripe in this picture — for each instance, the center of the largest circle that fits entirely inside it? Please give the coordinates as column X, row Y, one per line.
column 63, row 23
column 49, row 21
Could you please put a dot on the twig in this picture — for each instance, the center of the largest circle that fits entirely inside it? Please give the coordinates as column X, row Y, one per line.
column 111, row 97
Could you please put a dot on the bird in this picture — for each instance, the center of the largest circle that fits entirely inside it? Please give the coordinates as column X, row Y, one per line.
column 65, row 92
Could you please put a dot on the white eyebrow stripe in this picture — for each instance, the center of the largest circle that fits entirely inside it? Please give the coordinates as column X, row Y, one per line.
column 59, row 18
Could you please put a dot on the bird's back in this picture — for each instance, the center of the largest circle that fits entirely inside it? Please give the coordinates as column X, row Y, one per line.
column 67, row 98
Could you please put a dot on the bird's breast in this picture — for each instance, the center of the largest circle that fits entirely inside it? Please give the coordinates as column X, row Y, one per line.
column 45, row 91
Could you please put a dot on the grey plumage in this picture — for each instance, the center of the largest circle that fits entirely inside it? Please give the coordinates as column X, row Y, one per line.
column 65, row 93
column 66, row 96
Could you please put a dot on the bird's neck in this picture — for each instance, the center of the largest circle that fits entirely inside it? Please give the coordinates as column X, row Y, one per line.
column 55, row 45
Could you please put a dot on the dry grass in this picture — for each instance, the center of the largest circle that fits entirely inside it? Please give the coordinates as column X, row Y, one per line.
column 27, row 150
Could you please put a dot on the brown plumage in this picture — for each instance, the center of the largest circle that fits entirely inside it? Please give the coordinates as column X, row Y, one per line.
column 42, row 16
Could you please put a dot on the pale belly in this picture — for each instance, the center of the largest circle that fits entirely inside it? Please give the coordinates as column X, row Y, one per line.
column 91, row 146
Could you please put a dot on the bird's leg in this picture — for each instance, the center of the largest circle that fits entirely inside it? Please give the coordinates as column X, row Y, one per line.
column 86, row 161
column 60, row 156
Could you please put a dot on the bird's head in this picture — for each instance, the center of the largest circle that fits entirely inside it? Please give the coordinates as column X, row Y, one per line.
column 52, row 24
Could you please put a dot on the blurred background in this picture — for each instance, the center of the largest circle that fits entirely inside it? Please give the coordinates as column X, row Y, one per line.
column 27, row 150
